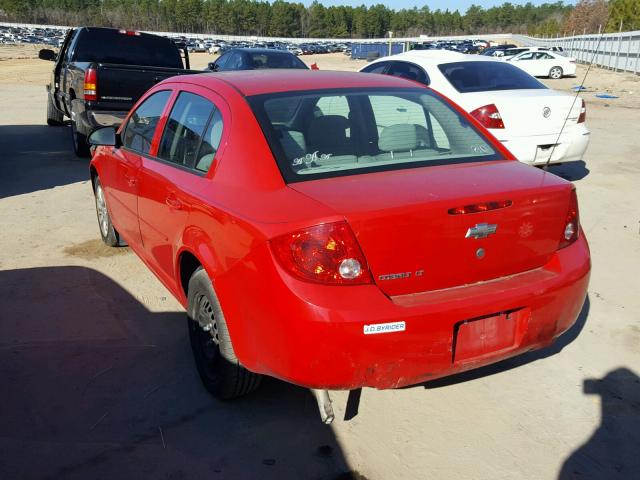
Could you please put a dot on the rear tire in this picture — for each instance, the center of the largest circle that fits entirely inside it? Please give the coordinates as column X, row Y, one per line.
column 221, row 372
column 55, row 117
column 109, row 234
column 80, row 145
column 555, row 73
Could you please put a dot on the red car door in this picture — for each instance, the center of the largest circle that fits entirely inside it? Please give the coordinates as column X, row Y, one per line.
column 123, row 169
column 170, row 179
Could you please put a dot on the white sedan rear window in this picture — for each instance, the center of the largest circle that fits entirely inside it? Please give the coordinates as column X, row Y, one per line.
column 467, row 77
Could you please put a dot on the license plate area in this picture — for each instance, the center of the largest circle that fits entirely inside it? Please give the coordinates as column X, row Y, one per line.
column 543, row 152
column 486, row 336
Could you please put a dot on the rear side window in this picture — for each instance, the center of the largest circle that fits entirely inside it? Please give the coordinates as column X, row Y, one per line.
column 348, row 131
column 375, row 68
column 105, row 45
column 142, row 124
column 409, row 71
column 185, row 130
column 468, row 77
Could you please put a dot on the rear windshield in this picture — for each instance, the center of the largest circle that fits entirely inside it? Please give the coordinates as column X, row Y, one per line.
column 319, row 134
column 111, row 46
column 469, row 77
column 274, row 60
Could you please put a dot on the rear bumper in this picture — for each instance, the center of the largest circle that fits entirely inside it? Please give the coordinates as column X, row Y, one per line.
column 313, row 335
column 89, row 120
column 537, row 149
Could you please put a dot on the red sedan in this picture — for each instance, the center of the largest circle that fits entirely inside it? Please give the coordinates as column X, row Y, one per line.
column 338, row 230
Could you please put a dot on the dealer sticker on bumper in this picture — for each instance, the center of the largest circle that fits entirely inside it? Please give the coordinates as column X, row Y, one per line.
column 384, row 328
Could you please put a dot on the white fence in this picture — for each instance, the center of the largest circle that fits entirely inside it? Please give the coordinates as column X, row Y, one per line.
column 615, row 51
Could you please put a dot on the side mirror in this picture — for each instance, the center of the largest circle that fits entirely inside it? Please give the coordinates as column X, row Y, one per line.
column 105, row 136
column 212, row 66
column 46, row 54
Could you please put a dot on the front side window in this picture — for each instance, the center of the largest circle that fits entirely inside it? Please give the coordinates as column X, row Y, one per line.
column 341, row 132
column 142, row 124
column 185, row 129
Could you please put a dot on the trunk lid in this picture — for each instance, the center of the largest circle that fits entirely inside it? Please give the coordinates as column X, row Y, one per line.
column 413, row 244
column 523, row 111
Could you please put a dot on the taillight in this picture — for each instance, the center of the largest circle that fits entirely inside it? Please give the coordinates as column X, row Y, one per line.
column 571, row 228
column 488, row 116
column 130, row 33
column 583, row 112
column 328, row 253
column 91, row 84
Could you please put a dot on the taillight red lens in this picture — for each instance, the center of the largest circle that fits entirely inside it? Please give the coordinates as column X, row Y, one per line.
column 328, row 253
column 488, row 116
column 480, row 207
column 91, row 84
column 571, row 228
column 583, row 112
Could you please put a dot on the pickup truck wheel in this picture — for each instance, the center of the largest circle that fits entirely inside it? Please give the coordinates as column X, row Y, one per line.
column 555, row 73
column 54, row 116
column 80, row 145
column 220, row 371
column 109, row 234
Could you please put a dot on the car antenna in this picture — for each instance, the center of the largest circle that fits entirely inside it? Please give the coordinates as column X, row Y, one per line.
column 578, row 90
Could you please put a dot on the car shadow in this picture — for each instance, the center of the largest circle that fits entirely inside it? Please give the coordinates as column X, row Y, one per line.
column 612, row 451
column 565, row 339
column 37, row 157
column 94, row 385
column 572, row 171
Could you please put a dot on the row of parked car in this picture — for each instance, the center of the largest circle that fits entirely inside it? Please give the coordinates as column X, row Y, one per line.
column 336, row 230
column 32, row 35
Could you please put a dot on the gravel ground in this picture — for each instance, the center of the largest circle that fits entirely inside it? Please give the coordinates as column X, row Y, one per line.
column 98, row 380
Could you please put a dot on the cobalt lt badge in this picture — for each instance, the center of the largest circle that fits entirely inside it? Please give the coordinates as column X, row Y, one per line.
column 546, row 111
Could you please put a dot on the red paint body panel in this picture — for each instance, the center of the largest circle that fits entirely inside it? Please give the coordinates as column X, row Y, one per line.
column 312, row 334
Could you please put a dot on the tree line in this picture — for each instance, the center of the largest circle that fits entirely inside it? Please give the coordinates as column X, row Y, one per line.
column 287, row 19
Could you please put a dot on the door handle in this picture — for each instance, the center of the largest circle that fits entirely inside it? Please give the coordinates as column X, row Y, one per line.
column 173, row 202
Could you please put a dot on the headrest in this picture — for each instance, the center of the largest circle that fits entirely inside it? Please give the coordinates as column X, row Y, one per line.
column 401, row 137
column 328, row 129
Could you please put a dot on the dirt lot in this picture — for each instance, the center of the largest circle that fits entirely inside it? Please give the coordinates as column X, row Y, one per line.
column 98, row 380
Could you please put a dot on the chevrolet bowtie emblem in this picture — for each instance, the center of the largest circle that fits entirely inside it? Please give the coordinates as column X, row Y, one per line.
column 481, row 230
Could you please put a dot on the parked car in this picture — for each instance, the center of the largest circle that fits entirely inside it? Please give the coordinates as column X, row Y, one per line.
column 498, row 50
column 512, row 52
column 537, row 124
column 338, row 230
column 254, row 59
column 545, row 64
column 100, row 73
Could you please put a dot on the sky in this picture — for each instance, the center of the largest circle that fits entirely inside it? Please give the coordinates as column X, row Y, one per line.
column 460, row 5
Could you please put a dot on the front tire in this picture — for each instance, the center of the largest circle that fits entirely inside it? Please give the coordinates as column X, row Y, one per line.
column 109, row 234
column 221, row 372
column 80, row 145
column 555, row 73
column 55, row 117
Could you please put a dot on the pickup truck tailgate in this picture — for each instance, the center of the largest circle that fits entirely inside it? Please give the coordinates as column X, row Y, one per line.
column 120, row 86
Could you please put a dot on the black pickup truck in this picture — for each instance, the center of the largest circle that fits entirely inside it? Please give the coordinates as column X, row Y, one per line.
column 100, row 73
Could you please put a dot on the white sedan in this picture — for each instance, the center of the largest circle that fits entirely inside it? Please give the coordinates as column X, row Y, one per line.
column 520, row 111
column 545, row 64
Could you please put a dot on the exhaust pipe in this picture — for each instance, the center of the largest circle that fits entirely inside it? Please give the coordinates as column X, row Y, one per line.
column 324, row 404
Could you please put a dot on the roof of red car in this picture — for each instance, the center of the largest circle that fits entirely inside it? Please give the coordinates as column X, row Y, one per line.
column 257, row 82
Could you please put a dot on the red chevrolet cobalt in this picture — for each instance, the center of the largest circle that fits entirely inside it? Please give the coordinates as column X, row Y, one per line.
column 338, row 230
